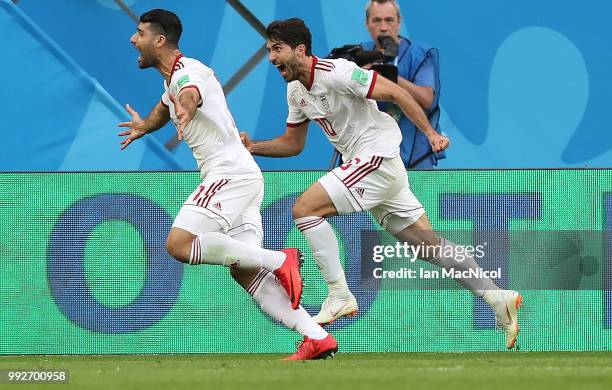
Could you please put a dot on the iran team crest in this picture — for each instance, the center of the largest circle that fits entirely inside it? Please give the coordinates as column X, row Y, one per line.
column 325, row 103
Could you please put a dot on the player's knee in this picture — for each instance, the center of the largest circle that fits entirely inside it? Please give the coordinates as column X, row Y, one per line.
column 300, row 209
column 176, row 248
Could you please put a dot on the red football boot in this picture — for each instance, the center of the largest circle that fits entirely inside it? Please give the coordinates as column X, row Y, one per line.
column 311, row 349
column 289, row 276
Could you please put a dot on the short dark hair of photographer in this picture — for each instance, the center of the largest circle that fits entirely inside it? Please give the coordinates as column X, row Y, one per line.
column 394, row 2
column 164, row 23
column 292, row 31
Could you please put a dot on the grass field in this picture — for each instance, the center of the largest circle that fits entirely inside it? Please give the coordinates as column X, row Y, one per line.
column 512, row 370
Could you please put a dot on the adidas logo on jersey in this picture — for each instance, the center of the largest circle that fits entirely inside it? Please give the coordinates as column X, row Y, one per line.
column 303, row 103
column 217, row 206
column 360, row 192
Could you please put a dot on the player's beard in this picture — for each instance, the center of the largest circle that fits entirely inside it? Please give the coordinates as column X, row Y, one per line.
column 144, row 62
column 292, row 70
column 147, row 60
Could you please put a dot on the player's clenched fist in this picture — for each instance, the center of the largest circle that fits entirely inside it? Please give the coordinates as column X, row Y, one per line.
column 439, row 142
column 246, row 141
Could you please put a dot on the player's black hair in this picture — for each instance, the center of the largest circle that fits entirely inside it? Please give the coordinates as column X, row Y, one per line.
column 164, row 23
column 292, row 31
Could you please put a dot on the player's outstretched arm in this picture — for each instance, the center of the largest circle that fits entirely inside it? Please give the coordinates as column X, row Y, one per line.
column 423, row 95
column 185, row 106
column 389, row 91
column 291, row 143
column 137, row 127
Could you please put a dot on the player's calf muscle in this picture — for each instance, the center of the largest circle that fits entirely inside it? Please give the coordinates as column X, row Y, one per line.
column 424, row 238
column 243, row 277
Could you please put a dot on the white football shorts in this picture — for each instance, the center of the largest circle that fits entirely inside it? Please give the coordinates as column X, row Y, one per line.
column 377, row 184
column 233, row 203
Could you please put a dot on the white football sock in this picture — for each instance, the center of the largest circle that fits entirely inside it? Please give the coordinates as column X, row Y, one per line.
column 339, row 288
column 495, row 299
column 462, row 262
column 218, row 248
column 273, row 300
column 324, row 245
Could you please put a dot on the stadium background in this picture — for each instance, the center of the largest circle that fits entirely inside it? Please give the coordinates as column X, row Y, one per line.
column 531, row 92
column 524, row 84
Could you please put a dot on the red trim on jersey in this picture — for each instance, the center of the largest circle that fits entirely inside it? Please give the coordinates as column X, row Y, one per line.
column 294, row 125
column 175, row 65
column 199, row 93
column 327, row 126
column 372, row 85
column 326, row 63
column 322, row 124
column 312, row 72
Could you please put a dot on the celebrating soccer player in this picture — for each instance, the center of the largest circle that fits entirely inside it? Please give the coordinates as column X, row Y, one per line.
column 220, row 222
column 340, row 97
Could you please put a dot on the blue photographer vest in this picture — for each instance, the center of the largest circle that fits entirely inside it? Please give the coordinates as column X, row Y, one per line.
column 415, row 149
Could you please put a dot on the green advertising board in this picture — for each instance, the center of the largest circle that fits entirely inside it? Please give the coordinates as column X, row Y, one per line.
column 83, row 267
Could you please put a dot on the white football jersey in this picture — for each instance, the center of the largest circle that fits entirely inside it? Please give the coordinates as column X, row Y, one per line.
column 212, row 134
column 337, row 98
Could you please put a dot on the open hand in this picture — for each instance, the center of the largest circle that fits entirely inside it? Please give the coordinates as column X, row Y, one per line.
column 136, row 128
column 182, row 115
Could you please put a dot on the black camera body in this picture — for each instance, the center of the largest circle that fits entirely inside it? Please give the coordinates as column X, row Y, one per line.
column 382, row 60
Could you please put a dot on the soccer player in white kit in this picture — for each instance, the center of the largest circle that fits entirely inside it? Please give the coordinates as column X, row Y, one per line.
column 220, row 222
column 340, row 97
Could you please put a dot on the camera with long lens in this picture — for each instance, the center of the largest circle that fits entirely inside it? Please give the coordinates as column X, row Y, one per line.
column 382, row 60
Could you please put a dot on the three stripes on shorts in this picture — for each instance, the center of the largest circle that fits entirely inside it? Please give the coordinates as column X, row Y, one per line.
column 212, row 190
column 361, row 172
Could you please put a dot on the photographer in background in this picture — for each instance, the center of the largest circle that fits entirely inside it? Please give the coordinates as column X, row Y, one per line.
column 417, row 68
